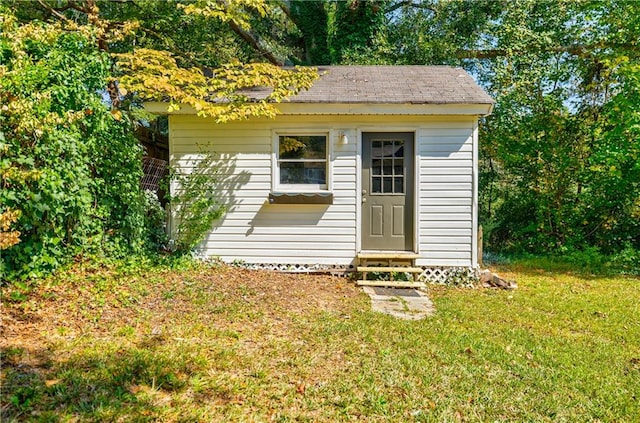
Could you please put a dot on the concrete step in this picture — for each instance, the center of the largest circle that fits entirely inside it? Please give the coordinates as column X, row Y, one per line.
column 399, row 269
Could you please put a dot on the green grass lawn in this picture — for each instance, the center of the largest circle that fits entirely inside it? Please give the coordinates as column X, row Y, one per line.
column 224, row 344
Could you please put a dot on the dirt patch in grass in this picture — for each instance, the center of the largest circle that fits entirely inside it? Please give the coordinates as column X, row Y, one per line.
column 80, row 303
column 234, row 330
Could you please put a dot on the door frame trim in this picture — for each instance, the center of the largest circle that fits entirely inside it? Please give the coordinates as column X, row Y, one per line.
column 416, row 181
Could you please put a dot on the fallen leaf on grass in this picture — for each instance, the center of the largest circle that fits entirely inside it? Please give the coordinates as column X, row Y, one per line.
column 300, row 388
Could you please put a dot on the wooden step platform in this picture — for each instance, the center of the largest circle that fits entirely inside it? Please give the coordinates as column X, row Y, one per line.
column 384, row 255
column 391, row 284
column 389, row 269
column 390, row 262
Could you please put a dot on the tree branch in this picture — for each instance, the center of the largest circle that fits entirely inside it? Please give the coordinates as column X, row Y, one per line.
column 408, row 3
column 286, row 9
column 56, row 11
column 254, row 43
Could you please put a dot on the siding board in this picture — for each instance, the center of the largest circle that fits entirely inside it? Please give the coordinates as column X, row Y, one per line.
column 425, row 225
column 447, row 232
column 294, row 231
column 228, row 240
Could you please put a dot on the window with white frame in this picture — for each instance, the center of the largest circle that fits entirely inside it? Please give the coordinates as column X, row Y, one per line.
column 302, row 161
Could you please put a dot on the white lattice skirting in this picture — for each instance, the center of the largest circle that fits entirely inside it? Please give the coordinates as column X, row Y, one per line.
column 293, row 268
column 455, row 276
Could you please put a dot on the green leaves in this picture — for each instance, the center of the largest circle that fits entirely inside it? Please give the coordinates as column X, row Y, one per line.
column 195, row 203
column 69, row 168
column 560, row 152
column 357, row 31
column 155, row 75
column 238, row 11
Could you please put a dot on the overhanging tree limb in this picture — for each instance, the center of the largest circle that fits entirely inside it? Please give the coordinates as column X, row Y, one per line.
column 408, row 3
column 254, row 43
column 57, row 11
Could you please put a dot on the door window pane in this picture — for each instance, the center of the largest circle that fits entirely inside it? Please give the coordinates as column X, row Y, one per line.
column 398, row 167
column 387, row 186
column 387, row 166
column 398, row 185
column 376, row 167
column 376, row 185
column 376, row 149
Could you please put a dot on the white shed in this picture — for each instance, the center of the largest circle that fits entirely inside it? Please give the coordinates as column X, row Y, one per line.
column 372, row 160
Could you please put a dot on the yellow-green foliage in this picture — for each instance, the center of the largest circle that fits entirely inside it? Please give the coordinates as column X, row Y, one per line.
column 8, row 238
column 238, row 11
column 155, row 75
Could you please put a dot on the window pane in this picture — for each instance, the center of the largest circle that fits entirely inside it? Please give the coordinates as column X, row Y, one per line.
column 398, row 182
column 387, row 166
column 387, row 185
column 376, row 167
column 398, row 148
column 303, row 173
column 303, row 147
column 376, row 149
column 398, row 167
column 376, row 185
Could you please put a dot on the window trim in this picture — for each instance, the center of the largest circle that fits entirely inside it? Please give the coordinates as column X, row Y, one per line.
column 276, row 186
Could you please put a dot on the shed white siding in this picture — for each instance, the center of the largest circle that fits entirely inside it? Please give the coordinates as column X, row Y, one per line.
column 447, row 202
column 255, row 231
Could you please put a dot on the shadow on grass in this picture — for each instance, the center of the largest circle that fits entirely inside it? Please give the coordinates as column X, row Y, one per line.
column 126, row 383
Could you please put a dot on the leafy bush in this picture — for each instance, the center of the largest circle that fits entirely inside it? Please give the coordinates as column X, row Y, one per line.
column 70, row 165
column 155, row 221
column 626, row 261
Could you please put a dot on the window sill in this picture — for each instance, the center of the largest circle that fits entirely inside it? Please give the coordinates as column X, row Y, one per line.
column 301, row 198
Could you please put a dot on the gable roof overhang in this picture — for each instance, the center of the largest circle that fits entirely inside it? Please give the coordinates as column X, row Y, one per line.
column 379, row 90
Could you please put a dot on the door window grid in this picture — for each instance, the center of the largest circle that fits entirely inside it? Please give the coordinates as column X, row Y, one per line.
column 387, row 167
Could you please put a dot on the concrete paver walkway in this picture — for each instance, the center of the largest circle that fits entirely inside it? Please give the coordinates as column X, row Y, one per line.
column 402, row 303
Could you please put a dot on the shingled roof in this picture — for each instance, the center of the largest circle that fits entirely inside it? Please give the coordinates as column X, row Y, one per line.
column 393, row 85
column 378, row 90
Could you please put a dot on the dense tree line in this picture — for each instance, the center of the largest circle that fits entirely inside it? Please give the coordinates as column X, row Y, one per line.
column 560, row 156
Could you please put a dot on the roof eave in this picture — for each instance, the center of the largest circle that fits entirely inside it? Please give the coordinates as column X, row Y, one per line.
column 477, row 109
